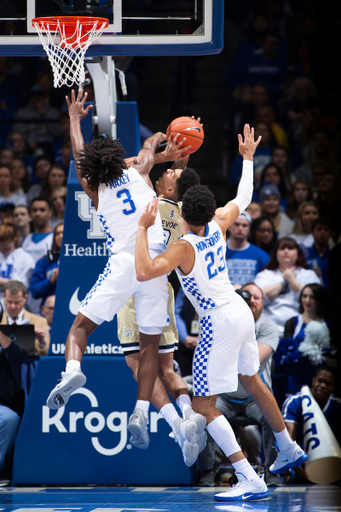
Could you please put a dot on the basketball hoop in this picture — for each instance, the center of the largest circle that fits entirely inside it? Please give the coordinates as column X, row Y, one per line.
column 66, row 40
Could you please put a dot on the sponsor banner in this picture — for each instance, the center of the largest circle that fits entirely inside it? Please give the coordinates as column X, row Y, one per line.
column 87, row 442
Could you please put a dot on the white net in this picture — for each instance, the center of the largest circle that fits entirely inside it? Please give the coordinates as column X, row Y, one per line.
column 66, row 49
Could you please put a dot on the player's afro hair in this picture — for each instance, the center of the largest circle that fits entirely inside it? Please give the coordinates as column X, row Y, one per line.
column 101, row 161
column 186, row 180
column 198, row 206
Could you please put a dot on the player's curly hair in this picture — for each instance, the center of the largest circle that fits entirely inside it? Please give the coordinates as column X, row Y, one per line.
column 186, row 180
column 198, row 206
column 101, row 161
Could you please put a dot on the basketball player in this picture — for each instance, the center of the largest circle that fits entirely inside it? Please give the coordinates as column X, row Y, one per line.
column 226, row 344
column 170, row 188
column 119, row 196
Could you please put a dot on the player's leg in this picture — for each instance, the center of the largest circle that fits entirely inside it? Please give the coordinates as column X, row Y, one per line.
column 73, row 377
column 290, row 455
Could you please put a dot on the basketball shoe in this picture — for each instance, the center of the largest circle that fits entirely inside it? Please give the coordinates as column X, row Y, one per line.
column 245, row 490
column 60, row 395
column 185, row 435
column 287, row 459
column 198, row 419
column 137, row 426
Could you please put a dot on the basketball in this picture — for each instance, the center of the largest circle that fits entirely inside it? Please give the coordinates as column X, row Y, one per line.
column 189, row 128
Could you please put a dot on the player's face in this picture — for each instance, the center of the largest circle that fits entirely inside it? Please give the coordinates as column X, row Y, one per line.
column 256, row 302
column 166, row 183
column 240, row 229
column 323, row 385
column 308, row 300
column 14, row 302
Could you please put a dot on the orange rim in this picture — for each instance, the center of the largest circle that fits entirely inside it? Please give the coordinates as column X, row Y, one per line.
column 87, row 22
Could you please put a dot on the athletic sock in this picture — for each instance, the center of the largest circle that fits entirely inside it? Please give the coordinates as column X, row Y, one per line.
column 244, row 467
column 168, row 412
column 222, row 433
column 144, row 405
column 183, row 402
column 72, row 365
column 283, row 439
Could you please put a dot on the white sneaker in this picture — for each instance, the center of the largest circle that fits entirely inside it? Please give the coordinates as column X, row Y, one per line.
column 137, row 426
column 185, row 435
column 291, row 458
column 245, row 490
column 201, row 440
column 198, row 419
column 60, row 395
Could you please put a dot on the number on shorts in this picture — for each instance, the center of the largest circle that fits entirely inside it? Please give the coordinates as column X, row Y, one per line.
column 128, row 200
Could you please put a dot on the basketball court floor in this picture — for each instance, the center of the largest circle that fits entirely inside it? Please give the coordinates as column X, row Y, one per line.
column 311, row 498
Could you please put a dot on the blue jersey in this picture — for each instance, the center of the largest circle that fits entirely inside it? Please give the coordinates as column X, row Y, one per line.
column 292, row 413
column 314, row 260
column 244, row 264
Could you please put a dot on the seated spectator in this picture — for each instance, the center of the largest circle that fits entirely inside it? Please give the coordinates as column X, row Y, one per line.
column 64, row 154
column 328, row 195
column 12, row 398
column 6, row 194
column 300, row 191
column 58, row 198
column 263, row 234
column 45, row 274
column 318, row 253
column 282, row 281
column 270, row 199
column 272, row 175
column 302, row 349
column 266, row 114
column 317, row 173
column 18, row 142
column 303, row 96
column 41, row 167
column 243, row 260
column 56, row 177
column 40, row 240
column 306, row 214
column 15, row 298
column 22, row 221
column 323, row 385
column 302, row 138
column 240, row 403
column 47, row 309
column 187, row 324
column 15, row 263
column 319, row 153
column 6, row 212
column 6, row 156
column 21, row 180
column 280, row 157
column 254, row 210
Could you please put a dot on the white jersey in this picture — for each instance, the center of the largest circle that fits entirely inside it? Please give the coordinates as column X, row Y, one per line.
column 207, row 286
column 37, row 249
column 120, row 205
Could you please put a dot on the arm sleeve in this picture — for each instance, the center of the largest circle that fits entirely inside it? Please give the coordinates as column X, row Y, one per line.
column 245, row 187
column 180, row 323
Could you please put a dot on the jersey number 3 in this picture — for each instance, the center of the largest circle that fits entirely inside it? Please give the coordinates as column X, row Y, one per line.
column 212, row 269
column 127, row 200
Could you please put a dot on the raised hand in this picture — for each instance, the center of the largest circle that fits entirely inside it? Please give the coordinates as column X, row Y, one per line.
column 147, row 218
column 248, row 146
column 76, row 106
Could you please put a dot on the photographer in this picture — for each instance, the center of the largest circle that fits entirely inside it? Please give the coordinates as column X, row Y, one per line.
column 239, row 403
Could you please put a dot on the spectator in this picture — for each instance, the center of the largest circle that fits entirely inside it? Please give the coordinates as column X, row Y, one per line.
column 270, row 199
column 323, row 385
column 47, row 309
column 254, row 210
column 273, row 175
column 22, row 221
column 15, row 298
column 12, row 398
column 317, row 173
column 45, row 274
column 240, row 403
column 261, row 157
column 303, row 135
column 318, row 253
column 6, row 212
column 280, row 157
column 15, row 263
column 282, row 280
column 20, row 177
column 300, row 191
column 63, row 159
column 328, row 193
column 18, row 142
column 302, row 348
column 319, row 153
column 38, row 121
column 187, row 324
column 303, row 96
column 6, row 156
column 58, row 198
column 263, row 234
column 64, row 124
column 40, row 240
column 306, row 214
column 6, row 194
column 41, row 167
column 55, row 178
column 243, row 260
column 266, row 114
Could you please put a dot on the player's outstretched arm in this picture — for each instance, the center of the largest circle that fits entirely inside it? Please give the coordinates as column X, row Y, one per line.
column 146, row 267
column 230, row 212
column 77, row 112
column 145, row 160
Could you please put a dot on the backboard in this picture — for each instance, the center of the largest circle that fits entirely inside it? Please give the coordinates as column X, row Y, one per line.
column 136, row 27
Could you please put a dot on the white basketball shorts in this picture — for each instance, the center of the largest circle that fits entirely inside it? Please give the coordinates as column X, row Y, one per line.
column 226, row 346
column 116, row 284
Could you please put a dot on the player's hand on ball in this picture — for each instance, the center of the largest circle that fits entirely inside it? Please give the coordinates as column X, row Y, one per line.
column 176, row 148
column 147, row 219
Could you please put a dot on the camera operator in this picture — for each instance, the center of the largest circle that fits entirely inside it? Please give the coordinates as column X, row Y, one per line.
column 239, row 403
